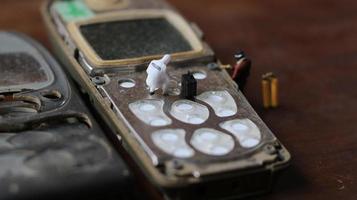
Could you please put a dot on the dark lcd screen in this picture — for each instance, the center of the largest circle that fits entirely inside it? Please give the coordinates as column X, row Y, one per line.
column 20, row 69
column 134, row 38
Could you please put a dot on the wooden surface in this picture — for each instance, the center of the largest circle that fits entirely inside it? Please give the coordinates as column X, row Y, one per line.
column 311, row 46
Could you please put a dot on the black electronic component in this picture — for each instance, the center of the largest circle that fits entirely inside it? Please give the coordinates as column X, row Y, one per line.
column 188, row 86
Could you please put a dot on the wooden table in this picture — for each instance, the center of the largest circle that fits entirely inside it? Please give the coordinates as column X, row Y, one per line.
column 312, row 48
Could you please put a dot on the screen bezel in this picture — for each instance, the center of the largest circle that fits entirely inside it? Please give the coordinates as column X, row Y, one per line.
column 176, row 20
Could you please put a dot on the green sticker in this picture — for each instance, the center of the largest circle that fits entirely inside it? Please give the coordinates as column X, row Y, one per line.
column 72, row 10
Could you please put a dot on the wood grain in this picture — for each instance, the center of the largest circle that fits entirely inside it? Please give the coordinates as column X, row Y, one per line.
column 312, row 48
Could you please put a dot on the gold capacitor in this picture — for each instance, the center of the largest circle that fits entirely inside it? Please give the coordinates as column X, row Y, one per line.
column 266, row 92
column 274, row 94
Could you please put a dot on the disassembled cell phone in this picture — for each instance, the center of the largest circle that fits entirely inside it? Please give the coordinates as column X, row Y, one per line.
column 50, row 145
column 198, row 137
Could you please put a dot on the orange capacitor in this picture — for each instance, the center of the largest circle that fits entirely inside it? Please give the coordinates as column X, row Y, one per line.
column 274, row 93
column 266, row 92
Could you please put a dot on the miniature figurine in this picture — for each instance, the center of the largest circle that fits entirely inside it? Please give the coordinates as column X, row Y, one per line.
column 157, row 75
column 241, row 70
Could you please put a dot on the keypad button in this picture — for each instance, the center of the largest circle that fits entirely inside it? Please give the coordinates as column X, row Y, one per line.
column 212, row 142
column 246, row 132
column 222, row 102
column 172, row 141
column 151, row 112
column 189, row 112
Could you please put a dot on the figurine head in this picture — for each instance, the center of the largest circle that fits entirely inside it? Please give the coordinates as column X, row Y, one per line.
column 239, row 55
column 166, row 59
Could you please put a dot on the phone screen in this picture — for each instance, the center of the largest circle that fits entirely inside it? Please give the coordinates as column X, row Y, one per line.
column 22, row 70
column 134, row 38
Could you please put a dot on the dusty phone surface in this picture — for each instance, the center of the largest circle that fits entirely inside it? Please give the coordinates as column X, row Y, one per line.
column 210, row 146
column 51, row 147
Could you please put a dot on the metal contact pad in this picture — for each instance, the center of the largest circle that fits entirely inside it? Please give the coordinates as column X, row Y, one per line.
column 245, row 131
column 222, row 102
column 150, row 112
column 172, row 141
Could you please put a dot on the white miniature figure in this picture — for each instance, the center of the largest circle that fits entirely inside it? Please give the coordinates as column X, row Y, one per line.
column 157, row 76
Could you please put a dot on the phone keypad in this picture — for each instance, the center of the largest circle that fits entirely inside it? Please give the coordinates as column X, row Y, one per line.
column 204, row 139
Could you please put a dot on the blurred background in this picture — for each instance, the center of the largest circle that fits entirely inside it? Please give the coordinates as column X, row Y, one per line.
column 312, row 48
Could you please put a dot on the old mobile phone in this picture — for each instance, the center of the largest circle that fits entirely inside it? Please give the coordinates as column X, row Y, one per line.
column 202, row 140
column 51, row 147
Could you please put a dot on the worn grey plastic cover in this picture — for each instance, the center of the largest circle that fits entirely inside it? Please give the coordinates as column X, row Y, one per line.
column 21, row 66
